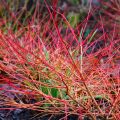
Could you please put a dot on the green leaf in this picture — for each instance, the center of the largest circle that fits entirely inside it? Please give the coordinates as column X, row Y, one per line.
column 68, row 72
column 45, row 90
column 47, row 105
column 28, row 83
column 75, row 2
column 92, row 36
column 73, row 19
column 87, row 32
column 47, row 55
column 54, row 92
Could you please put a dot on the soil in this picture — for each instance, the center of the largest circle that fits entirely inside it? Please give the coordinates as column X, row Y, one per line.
column 25, row 114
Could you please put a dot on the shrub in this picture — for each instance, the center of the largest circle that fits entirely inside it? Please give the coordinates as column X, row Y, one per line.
column 61, row 69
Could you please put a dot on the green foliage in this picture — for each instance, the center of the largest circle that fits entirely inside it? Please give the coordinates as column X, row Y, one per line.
column 50, row 91
column 74, row 2
column 45, row 90
column 73, row 18
column 92, row 36
column 54, row 92
column 87, row 32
